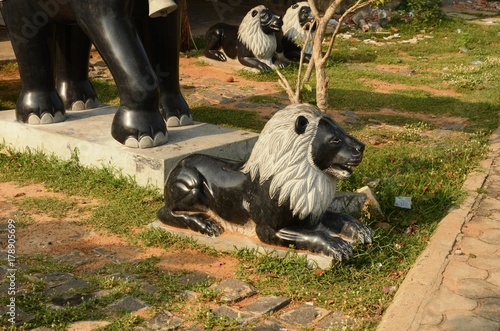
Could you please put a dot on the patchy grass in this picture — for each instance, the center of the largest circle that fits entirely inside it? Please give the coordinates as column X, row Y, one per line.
column 240, row 119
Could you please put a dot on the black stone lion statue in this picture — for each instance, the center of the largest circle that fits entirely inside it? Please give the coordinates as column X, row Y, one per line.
column 52, row 41
column 283, row 190
column 294, row 32
column 253, row 42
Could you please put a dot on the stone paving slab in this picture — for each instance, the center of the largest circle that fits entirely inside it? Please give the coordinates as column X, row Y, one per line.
column 267, row 304
column 234, row 290
column 303, row 315
column 232, row 313
column 128, row 303
column 87, row 325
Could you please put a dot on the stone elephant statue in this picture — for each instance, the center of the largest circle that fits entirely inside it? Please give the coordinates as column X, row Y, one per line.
column 52, row 41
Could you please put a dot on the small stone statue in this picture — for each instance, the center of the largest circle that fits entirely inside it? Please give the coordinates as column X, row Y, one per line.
column 253, row 42
column 295, row 31
column 283, row 191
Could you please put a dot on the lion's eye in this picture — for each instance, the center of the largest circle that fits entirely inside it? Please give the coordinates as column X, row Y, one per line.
column 335, row 141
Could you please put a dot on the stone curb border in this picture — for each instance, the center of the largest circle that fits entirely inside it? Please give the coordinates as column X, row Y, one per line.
column 426, row 275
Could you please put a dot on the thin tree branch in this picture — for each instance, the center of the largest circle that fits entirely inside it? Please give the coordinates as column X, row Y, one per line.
column 293, row 97
column 301, row 80
column 314, row 9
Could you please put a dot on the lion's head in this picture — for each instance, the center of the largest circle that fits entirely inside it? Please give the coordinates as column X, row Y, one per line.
column 257, row 32
column 294, row 21
column 302, row 151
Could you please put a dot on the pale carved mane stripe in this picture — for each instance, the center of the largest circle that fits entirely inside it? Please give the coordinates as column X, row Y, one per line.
column 292, row 29
column 284, row 157
column 250, row 33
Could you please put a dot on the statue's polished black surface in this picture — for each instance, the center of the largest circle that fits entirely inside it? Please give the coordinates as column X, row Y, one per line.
column 285, row 187
column 52, row 40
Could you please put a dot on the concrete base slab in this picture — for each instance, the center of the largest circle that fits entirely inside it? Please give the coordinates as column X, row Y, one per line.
column 229, row 241
column 88, row 133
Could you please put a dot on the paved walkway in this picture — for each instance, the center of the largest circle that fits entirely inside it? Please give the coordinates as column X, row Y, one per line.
column 455, row 283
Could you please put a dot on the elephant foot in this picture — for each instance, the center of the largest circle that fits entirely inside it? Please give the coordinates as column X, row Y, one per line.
column 79, row 95
column 139, row 129
column 146, row 141
column 88, row 104
column 175, row 109
column 40, row 107
column 46, row 118
column 183, row 121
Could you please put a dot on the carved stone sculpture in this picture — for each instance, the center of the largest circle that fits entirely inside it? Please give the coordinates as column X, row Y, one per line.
column 52, row 40
column 283, row 190
column 294, row 31
column 253, row 42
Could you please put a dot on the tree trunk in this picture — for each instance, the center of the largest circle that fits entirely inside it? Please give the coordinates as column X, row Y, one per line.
column 319, row 65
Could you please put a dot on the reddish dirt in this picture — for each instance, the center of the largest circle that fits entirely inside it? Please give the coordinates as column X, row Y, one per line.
column 384, row 87
column 89, row 249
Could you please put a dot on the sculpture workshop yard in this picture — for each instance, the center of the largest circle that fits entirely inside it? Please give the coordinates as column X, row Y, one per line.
column 425, row 132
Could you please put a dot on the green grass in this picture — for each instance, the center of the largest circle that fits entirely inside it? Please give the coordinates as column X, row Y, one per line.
column 408, row 160
column 239, row 119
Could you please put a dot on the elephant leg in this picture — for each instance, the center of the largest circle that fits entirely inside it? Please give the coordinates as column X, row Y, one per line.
column 161, row 39
column 137, row 122
column 30, row 35
column 72, row 67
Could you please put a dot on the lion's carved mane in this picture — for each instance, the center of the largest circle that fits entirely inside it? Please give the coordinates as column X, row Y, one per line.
column 250, row 33
column 292, row 29
column 284, row 157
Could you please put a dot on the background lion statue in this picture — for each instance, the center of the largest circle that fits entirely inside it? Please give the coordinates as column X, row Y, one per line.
column 284, row 189
column 52, row 40
column 253, row 42
column 295, row 31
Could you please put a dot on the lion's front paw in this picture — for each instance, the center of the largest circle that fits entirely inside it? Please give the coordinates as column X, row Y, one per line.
column 357, row 231
column 338, row 248
column 281, row 64
column 217, row 55
column 139, row 129
column 317, row 241
column 346, row 226
column 205, row 225
column 263, row 67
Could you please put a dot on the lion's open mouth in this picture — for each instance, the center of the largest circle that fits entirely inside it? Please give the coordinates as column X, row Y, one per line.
column 275, row 27
column 339, row 171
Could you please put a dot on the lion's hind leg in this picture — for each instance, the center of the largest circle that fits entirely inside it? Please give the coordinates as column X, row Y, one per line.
column 338, row 224
column 185, row 202
column 221, row 36
column 198, row 222
column 316, row 241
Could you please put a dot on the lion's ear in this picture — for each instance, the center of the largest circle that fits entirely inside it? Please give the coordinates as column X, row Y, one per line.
column 301, row 124
column 255, row 12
